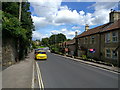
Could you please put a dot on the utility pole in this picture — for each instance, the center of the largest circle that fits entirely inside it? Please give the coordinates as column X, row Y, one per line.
column 55, row 40
column 20, row 10
column 18, row 41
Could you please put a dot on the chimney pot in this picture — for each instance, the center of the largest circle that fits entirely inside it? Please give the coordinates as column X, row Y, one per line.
column 114, row 16
column 76, row 33
column 86, row 27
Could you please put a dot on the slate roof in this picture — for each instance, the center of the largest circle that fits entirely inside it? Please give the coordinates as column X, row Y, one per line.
column 100, row 29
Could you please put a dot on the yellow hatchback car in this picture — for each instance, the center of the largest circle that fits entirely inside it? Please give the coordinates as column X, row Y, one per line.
column 40, row 54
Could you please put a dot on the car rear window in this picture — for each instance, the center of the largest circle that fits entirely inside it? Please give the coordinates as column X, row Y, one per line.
column 41, row 52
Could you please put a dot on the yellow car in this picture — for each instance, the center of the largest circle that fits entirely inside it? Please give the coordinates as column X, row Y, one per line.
column 41, row 54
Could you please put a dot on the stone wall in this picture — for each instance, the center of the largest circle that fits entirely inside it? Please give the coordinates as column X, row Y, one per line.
column 9, row 51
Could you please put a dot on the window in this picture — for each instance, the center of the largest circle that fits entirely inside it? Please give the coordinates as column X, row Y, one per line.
column 111, row 53
column 108, row 53
column 85, row 40
column 114, row 54
column 107, row 38
column 114, row 36
column 92, row 39
column 79, row 41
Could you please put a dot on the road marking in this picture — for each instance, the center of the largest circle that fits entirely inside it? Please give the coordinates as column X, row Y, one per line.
column 33, row 76
column 41, row 85
column 88, row 64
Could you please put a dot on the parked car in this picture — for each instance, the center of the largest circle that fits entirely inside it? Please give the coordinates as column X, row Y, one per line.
column 40, row 55
column 36, row 50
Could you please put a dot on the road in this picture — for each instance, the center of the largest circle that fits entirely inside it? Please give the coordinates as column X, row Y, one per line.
column 60, row 72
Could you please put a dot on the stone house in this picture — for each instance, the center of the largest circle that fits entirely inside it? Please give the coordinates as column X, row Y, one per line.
column 68, row 47
column 102, row 42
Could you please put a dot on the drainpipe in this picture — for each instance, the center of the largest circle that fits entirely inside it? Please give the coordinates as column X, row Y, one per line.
column 100, row 46
column 76, row 46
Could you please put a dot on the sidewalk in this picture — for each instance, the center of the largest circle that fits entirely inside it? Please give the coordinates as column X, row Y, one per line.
column 18, row 75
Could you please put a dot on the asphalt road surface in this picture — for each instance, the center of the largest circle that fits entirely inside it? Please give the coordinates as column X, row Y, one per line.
column 59, row 72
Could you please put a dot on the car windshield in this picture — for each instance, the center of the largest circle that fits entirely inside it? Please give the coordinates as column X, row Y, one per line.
column 41, row 52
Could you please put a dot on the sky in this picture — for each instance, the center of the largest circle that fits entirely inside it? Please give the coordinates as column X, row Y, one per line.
column 56, row 16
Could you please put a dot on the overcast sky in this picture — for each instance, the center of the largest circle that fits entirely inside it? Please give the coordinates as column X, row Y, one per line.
column 56, row 16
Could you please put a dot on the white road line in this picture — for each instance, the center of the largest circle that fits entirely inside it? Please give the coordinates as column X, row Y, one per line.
column 33, row 77
column 41, row 85
column 88, row 64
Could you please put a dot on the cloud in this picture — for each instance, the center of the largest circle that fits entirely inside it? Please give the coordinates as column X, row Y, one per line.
column 102, row 10
column 52, row 13
column 39, row 22
column 76, row 27
column 38, row 35
column 67, row 16
column 45, row 8
column 69, row 33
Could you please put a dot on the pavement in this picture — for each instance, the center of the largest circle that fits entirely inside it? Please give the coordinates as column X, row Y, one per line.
column 18, row 75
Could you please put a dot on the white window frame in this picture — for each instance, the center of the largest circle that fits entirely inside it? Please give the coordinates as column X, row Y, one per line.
column 86, row 40
column 107, row 53
column 107, row 37
column 116, row 36
column 91, row 39
column 112, row 54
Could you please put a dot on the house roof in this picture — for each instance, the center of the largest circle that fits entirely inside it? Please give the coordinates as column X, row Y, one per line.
column 102, row 28
column 113, row 26
column 93, row 30
column 69, row 42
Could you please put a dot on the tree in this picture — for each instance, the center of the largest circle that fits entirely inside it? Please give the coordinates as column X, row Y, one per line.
column 19, row 30
column 45, row 41
column 52, row 39
column 61, row 38
column 57, row 38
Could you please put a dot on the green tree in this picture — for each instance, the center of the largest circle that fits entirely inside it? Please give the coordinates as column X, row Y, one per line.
column 57, row 38
column 52, row 39
column 45, row 41
column 61, row 38
column 19, row 30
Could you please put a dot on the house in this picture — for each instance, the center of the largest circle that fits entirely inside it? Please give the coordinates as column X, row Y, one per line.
column 68, row 47
column 102, row 42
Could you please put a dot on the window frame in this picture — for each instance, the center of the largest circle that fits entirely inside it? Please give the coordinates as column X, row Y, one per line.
column 92, row 41
column 115, row 36
column 86, row 40
column 107, row 36
column 111, row 53
column 107, row 53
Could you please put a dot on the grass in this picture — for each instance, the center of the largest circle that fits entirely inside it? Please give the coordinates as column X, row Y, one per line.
column 40, row 47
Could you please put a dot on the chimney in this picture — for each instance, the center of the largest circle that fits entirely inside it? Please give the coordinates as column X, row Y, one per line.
column 76, row 34
column 86, row 27
column 114, row 16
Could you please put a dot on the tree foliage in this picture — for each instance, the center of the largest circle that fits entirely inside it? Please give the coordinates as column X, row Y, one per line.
column 58, row 38
column 12, row 27
column 45, row 41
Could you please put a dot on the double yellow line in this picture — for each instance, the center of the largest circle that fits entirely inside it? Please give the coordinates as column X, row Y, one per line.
column 40, row 81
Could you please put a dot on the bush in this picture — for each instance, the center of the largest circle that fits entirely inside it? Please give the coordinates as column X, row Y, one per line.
column 84, row 57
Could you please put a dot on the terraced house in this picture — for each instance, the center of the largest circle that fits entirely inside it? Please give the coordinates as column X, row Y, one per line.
column 68, row 47
column 102, row 42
